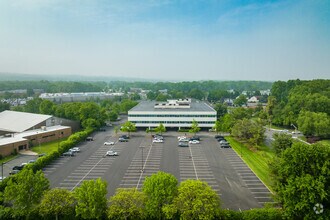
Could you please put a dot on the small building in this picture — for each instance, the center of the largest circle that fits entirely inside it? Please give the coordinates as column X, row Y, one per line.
column 172, row 114
column 21, row 130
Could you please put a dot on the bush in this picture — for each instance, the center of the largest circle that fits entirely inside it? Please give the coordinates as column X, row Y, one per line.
column 263, row 213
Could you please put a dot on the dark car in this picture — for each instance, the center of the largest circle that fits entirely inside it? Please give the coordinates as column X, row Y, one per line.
column 195, row 138
column 68, row 154
column 225, row 145
column 125, row 136
column 218, row 136
column 18, row 167
column 12, row 172
column 102, row 129
column 183, row 144
column 121, row 139
column 89, row 139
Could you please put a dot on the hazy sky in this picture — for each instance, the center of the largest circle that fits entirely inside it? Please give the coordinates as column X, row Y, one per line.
column 167, row 40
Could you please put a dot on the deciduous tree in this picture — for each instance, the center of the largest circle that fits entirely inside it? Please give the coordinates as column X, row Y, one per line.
column 57, row 202
column 24, row 191
column 160, row 189
column 281, row 142
column 194, row 127
column 160, row 129
column 127, row 204
column 91, row 199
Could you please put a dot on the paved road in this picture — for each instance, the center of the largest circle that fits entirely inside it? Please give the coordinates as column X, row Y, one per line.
column 223, row 169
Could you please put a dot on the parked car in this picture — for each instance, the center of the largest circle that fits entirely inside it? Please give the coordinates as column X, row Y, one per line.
column 68, row 154
column 195, row 138
column 158, row 137
column 20, row 167
column 183, row 144
column 218, row 136
column 12, row 172
column 223, row 142
column 109, row 143
column 194, row 142
column 31, row 161
column 121, row 139
column 89, row 139
column 41, row 155
column 181, row 137
column 225, row 145
column 2, row 178
column 102, row 129
column 125, row 136
column 157, row 141
column 112, row 153
column 184, row 140
column 75, row 149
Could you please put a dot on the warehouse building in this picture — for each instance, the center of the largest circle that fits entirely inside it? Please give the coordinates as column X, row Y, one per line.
column 172, row 114
column 21, row 130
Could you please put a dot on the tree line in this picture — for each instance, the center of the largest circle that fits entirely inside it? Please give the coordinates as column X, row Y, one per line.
column 304, row 104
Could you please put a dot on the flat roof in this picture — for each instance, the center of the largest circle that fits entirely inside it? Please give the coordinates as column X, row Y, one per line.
column 21, row 136
column 148, row 106
column 12, row 121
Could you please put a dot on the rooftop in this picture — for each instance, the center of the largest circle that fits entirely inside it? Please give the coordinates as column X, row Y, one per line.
column 195, row 106
column 13, row 121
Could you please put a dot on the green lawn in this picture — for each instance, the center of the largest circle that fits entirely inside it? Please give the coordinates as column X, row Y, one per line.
column 47, row 148
column 256, row 160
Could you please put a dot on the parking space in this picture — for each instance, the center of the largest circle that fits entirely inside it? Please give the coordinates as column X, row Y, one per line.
column 138, row 158
column 258, row 189
column 7, row 167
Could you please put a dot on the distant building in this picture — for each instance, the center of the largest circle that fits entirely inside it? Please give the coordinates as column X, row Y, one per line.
column 27, row 130
column 79, row 97
column 172, row 114
column 253, row 99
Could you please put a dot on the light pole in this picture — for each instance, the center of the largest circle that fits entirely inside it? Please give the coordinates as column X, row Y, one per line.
column 142, row 157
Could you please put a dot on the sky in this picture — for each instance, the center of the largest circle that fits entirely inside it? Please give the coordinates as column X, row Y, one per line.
column 167, row 40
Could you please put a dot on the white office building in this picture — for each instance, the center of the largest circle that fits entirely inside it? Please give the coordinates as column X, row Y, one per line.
column 172, row 114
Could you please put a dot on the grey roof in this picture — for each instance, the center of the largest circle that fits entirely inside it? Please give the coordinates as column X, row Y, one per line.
column 12, row 121
column 195, row 106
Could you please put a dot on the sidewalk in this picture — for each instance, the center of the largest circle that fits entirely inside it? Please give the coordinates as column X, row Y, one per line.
column 27, row 152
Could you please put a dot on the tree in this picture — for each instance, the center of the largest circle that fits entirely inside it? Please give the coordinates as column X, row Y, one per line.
column 217, row 127
column 4, row 106
column 197, row 94
column 240, row 100
column 58, row 202
column 160, row 189
column 194, row 127
column 195, row 200
column 112, row 115
column 281, row 142
column 227, row 122
column 47, row 107
column 32, row 106
column 128, row 127
column 249, row 130
column 90, row 123
column 301, row 177
column 91, row 199
column 127, row 204
column 313, row 123
column 221, row 109
column 160, row 129
column 24, row 192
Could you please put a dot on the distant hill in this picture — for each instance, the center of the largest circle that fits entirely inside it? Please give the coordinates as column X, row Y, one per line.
column 62, row 77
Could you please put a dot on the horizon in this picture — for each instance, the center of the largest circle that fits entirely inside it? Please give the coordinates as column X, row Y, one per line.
column 167, row 40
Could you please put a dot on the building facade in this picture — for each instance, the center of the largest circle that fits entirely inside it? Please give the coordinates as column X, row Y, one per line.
column 172, row 114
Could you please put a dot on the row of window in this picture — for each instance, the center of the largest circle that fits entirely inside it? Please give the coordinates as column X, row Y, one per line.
column 174, row 116
column 171, row 122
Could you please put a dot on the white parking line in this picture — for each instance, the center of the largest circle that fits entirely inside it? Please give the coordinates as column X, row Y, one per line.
column 192, row 158
column 144, row 166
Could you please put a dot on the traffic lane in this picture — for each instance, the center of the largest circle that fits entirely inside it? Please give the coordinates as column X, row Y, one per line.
column 170, row 160
column 65, row 166
column 116, row 171
column 234, row 193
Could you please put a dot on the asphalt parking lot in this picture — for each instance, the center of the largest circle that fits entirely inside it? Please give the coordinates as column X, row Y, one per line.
column 222, row 168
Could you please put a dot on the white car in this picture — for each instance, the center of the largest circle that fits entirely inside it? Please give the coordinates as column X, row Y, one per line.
column 182, row 137
column 194, row 142
column 75, row 149
column 109, row 143
column 157, row 141
column 112, row 153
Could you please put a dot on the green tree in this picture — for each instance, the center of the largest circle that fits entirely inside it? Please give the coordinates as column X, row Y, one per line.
column 221, row 109
column 301, row 177
column 24, row 192
column 57, row 202
column 218, row 126
column 112, row 115
column 313, row 123
column 160, row 189
column 161, row 97
column 160, row 129
column 90, row 123
column 32, row 106
column 91, row 199
column 240, row 100
column 127, row 204
column 195, row 200
column 227, row 122
column 197, row 94
column 47, row 107
column 194, row 127
column 249, row 130
column 281, row 142
column 128, row 127
column 4, row 106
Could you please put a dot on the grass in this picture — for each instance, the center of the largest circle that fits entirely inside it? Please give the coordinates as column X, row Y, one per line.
column 8, row 158
column 47, row 148
column 325, row 142
column 257, row 160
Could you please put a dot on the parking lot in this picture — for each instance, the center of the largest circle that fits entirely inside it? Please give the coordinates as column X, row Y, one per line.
column 138, row 158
